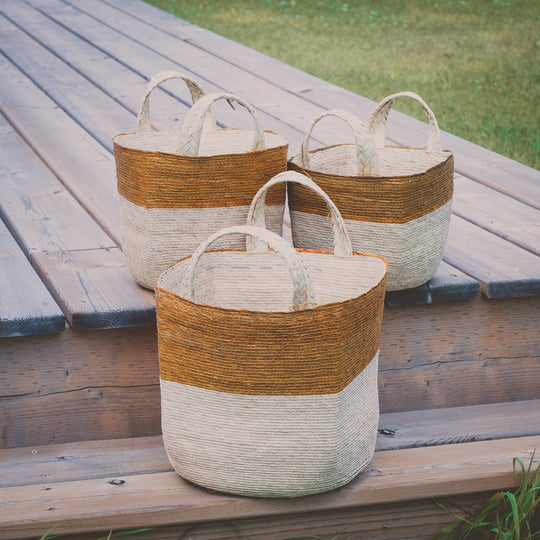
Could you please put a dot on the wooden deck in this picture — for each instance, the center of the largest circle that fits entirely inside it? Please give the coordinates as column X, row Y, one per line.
column 79, row 393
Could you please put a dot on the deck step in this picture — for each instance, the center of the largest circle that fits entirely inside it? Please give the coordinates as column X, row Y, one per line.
column 94, row 486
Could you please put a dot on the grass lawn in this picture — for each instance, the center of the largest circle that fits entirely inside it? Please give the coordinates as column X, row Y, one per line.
column 476, row 62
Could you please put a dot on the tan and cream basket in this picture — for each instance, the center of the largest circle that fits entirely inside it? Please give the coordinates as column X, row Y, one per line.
column 396, row 201
column 268, row 361
column 176, row 188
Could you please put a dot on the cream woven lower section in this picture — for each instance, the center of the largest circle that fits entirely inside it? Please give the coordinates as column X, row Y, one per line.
column 271, row 446
column 155, row 238
column 413, row 250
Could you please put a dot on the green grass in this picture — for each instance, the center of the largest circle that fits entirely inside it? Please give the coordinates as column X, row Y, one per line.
column 476, row 62
column 508, row 515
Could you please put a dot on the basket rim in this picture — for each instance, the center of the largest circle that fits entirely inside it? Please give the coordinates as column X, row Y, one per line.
column 318, row 307
column 284, row 141
column 442, row 163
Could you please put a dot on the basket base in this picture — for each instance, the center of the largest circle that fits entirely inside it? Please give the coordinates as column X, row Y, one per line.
column 271, row 446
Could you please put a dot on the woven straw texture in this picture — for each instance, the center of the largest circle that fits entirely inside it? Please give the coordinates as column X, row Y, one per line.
column 268, row 363
column 176, row 188
column 396, row 201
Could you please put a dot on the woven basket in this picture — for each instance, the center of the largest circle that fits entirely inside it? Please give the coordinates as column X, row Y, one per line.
column 396, row 201
column 177, row 188
column 269, row 384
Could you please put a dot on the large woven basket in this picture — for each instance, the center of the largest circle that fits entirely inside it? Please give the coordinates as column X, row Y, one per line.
column 396, row 201
column 268, row 364
column 176, row 188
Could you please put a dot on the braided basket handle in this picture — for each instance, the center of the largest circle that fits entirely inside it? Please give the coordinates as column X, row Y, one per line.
column 143, row 116
column 190, row 137
column 303, row 296
column 342, row 242
column 377, row 121
column 366, row 151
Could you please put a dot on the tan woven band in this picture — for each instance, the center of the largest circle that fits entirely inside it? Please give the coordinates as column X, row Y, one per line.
column 311, row 352
column 394, row 199
column 163, row 180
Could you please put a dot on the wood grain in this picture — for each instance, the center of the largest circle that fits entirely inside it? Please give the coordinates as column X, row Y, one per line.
column 98, row 113
column 39, row 210
column 84, row 460
column 88, row 413
column 26, row 307
column 497, row 213
column 418, row 520
column 502, row 268
column 95, row 289
column 147, row 61
column 480, row 330
column 447, row 285
column 90, row 177
column 163, row 498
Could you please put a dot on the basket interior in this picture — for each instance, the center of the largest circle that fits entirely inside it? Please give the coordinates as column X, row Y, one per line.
column 262, row 282
column 393, row 161
column 222, row 141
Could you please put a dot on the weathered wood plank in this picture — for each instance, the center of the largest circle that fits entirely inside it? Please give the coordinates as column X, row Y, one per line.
column 82, row 460
column 91, row 178
column 104, row 409
column 113, row 77
column 39, row 210
column 26, row 307
column 454, row 425
column 164, row 498
column 140, row 455
column 88, row 413
column 503, row 174
column 55, row 232
column 502, row 268
column 141, row 59
column 95, row 289
column 417, row 520
column 458, row 384
column 272, row 101
column 78, row 359
column 497, row 213
column 447, row 285
column 89, row 106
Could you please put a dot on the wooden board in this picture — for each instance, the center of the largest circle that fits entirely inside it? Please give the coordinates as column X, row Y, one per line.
column 418, row 520
column 91, row 178
column 454, row 425
column 485, row 166
column 126, row 52
column 499, row 214
column 99, row 114
column 502, row 268
column 447, row 285
column 26, row 307
column 163, row 498
column 139, row 455
column 39, row 210
column 95, row 288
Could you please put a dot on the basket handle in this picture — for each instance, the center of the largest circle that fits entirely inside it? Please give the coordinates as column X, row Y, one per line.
column 342, row 242
column 190, row 137
column 143, row 116
column 303, row 296
column 366, row 151
column 378, row 118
